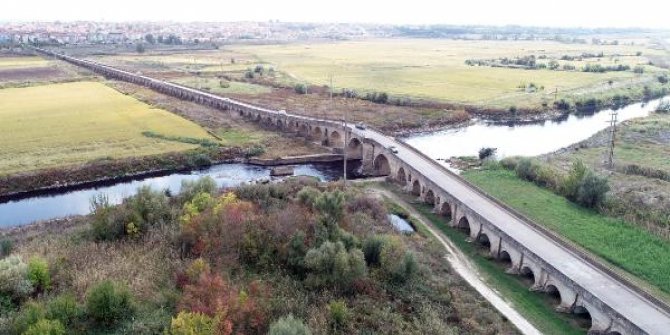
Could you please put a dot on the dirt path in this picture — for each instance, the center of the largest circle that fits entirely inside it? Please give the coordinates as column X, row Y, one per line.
column 462, row 265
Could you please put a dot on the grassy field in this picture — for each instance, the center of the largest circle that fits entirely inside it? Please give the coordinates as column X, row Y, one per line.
column 22, row 62
column 624, row 245
column 436, row 69
column 230, row 87
column 62, row 124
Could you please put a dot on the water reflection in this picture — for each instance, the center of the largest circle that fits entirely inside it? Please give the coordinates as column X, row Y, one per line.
column 526, row 139
column 73, row 202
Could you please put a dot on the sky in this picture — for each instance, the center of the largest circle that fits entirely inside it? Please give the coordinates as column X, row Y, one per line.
column 565, row 13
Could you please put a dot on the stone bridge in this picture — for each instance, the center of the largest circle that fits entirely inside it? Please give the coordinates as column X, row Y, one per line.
column 580, row 284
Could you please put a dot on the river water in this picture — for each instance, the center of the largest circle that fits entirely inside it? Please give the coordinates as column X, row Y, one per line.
column 524, row 139
column 58, row 204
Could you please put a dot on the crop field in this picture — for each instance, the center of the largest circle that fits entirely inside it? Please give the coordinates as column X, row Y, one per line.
column 22, row 62
column 219, row 86
column 436, row 69
column 63, row 124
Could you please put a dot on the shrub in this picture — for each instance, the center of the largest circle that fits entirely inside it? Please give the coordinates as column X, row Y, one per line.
column 150, row 206
column 6, row 247
column 339, row 314
column 592, row 190
column 396, row 261
column 330, row 205
column 526, row 169
column 190, row 189
column 331, row 265
column 288, row 325
column 64, row 308
column 108, row 303
column 372, row 249
column 14, row 278
column 38, row 273
column 485, row 153
column 369, row 205
column 249, row 74
column 307, row 195
column 187, row 323
column 509, row 163
column 300, row 88
column 297, row 250
column 570, row 184
column 30, row 314
column 46, row 327
column 254, row 151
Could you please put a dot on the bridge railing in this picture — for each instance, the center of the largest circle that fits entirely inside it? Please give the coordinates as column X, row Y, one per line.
column 570, row 246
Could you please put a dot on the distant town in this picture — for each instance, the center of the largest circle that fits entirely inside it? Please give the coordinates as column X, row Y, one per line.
column 89, row 32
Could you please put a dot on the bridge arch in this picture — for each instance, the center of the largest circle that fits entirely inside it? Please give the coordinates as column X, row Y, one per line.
column 303, row 130
column 445, row 209
column 335, row 139
column 555, row 293
column 401, row 177
column 463, row 224
column 528, row 273
column 584, row 317
column 355, row 148
column 280, row 124
column 381, row 165
column 416, row 188
column 484, row 241
column 317, row 134
column 429, row 197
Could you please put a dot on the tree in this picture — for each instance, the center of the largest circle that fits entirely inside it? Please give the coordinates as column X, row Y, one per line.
column 300, row 88
column 140, row 48
column 150, row 38
column 592, row 190
column 46, row 327
column 486, row 152
column 288, row 325
column 571, row 184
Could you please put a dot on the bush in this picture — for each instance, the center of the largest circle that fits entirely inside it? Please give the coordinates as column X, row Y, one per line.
column 109, row 303
column 300, row 88
column 570, row 185
column 6, row 247
column 307, row 195
column 396, row 261
column 526, row 169
column 14, row 278
column 30, row 314
column 331, row 265
column 297, row 250
column 372, row 249
column 46, row 327
column 592, row 190
column 151, row 207
column 485, row 153
column 64, row 308
column 187, row 323
column 254, row 151
column 339, row 314
column 288, row 325
column 509, row 163
column 330, row 205
column 190, row 189
column 38, row 273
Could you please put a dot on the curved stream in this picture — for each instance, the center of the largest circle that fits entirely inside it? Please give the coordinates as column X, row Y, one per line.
column 522, row 140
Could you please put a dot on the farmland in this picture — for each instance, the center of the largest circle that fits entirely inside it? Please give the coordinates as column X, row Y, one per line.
column 63, row 124
column 21, row 71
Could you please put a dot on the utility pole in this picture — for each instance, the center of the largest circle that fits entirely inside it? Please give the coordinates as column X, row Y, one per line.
column 610, row 156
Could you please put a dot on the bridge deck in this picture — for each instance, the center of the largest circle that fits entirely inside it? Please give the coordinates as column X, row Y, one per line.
column 628, row 303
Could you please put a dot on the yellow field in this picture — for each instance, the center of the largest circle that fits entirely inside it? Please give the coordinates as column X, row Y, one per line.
column 22, row 62
column 63, row 124
column 436, row 69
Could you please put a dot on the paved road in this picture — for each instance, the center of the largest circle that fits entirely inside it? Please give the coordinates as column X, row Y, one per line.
column 628, row 303
column 461, row 264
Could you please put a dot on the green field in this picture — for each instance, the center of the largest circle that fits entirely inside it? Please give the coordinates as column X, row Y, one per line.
column 436, row 69
column 624, row 245
column 63, row 124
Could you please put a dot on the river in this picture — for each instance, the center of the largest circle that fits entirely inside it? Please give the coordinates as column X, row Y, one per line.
column 57, row 204
column 524, row 139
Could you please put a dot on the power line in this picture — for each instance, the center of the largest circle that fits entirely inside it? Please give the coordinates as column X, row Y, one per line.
column 610, row 156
